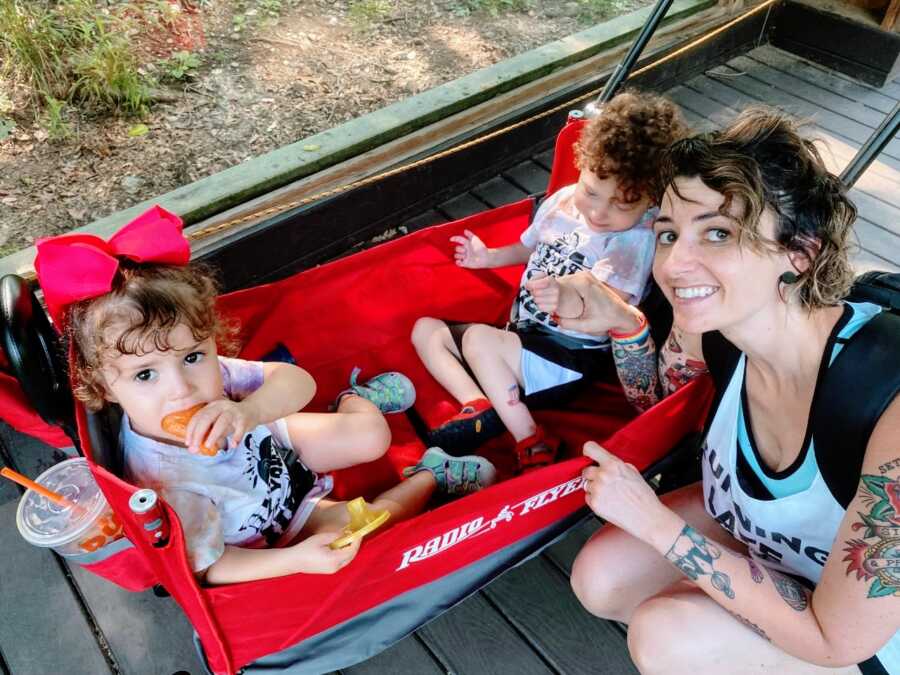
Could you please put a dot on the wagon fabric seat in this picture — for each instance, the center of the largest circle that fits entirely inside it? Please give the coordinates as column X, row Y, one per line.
column 359, row 312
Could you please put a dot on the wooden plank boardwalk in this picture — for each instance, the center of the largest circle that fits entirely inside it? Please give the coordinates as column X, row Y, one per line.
column 527, row 622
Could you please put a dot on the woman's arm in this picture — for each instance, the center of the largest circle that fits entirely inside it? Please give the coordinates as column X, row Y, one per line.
column 587, row 305
column 312, row 556
column 286, row 388
column 852, row 613
column 635, row 359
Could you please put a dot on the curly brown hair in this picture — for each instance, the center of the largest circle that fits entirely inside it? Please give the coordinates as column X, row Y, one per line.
column 760, row 161
column 627, row 140
column 146, row 302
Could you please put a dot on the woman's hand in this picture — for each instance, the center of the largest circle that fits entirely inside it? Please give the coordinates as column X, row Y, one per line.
column 220, row 420
column 315, row 556
column 603, row 309
column 470, row 251
column 618, row 493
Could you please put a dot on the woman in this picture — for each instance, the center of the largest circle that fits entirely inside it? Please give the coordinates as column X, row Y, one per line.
column 752, row 242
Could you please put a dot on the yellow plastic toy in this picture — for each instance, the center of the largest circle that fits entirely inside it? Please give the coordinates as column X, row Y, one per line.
column 362, row 521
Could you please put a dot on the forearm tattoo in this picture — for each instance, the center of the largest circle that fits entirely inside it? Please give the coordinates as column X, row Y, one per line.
column 875, row 556
column 756, row 572
column 636, row 365
column 749, row 624
column 676, row 367
column 791, row 590
column 695, row 557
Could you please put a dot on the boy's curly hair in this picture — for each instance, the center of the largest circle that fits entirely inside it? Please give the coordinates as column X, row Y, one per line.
column 146, row 302
column 627, row 140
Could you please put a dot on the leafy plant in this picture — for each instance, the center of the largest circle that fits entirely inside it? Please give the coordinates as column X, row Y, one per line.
column 54, row 120
column 493, row 7
column 591, row 11
column 181, row 66
column 363, row 13
column 73, row 51
column 7, row 126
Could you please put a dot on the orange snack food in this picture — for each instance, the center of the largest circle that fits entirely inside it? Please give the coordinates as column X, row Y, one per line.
column 176, row 424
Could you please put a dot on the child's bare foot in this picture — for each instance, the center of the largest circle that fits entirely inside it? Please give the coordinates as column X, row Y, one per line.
column 475, row 424
column 455, row 475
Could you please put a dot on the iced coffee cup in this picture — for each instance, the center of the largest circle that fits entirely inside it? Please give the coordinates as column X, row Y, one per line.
column 81, row 524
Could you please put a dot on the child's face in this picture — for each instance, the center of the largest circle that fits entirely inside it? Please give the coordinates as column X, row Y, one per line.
column 154, row 384
column 603, row 204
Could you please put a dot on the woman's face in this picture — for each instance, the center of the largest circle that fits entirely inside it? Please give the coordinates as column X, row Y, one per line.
column 712, row 282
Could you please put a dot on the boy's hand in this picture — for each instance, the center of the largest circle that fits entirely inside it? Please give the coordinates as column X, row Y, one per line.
column 470, row 251
column 552, row 297
column 218, row 421
column 314, row 556
column 545, row 291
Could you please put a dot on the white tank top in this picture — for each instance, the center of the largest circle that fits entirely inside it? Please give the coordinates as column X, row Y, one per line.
column 793, row 534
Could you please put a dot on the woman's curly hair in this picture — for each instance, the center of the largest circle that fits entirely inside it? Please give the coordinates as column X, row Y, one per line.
column 627, row 140
column 760, row 161
column 138, row 314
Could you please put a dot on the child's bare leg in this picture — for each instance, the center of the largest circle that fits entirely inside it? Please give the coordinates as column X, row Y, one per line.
column 435, row 346
column 495, row 358
column 356, row 433
column 405, row 500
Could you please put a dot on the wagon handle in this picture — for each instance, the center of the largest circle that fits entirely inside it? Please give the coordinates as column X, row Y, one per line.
column 623, row 70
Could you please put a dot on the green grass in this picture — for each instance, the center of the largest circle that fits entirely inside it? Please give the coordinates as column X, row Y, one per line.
column 592, row 11
column 493, row 7
column 73, row 51
column 364, row 13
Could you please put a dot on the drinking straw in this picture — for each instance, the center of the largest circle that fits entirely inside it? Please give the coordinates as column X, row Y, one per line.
column 57, row 499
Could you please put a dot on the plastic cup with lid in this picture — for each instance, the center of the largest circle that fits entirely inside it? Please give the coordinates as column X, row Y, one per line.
column 83, row 527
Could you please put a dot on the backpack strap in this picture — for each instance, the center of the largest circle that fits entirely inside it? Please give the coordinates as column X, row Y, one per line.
column 721, row 359
column 855, row 391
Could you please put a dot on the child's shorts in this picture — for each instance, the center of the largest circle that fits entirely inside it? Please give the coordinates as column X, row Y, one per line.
column 555, row 367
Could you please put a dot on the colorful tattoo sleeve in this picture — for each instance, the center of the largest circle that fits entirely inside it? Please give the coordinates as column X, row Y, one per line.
column 636, row 366
column 875, row 556
column 695, row 556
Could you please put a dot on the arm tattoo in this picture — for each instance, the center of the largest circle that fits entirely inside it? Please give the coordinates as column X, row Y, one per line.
column 755, row 571
column 749, row 624
column 636, row 367
column 791, row 590
column 875, row 556
column 694, row 555
column 676, row 367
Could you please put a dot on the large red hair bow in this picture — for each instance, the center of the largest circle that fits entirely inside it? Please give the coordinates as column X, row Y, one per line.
column 75, row 267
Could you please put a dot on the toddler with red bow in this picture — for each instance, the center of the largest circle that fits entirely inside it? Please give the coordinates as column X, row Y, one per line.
column 145, row 334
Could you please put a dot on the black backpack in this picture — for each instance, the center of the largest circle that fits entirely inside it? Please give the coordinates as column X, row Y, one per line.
column 855, row 391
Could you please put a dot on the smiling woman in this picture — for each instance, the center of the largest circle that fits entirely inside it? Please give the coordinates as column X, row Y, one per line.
column 752, row 252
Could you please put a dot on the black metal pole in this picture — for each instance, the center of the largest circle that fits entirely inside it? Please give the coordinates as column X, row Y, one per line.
column 623, row 70
column 871, row 148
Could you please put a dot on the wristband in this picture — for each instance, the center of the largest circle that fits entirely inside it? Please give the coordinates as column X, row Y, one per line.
column 643, row 327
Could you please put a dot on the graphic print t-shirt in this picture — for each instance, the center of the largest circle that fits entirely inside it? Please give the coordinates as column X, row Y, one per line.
column 564, row 243
column 249, row 495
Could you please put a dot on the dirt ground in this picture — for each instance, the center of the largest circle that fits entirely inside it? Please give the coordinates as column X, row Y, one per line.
column 271, row 73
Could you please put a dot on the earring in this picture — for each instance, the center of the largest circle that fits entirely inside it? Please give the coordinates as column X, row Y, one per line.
column 788, row 278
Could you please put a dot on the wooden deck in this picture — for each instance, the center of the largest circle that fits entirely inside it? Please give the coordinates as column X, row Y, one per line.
column 57, row 619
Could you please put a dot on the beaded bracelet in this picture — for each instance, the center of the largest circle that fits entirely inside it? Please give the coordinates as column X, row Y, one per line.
column 638, row 334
